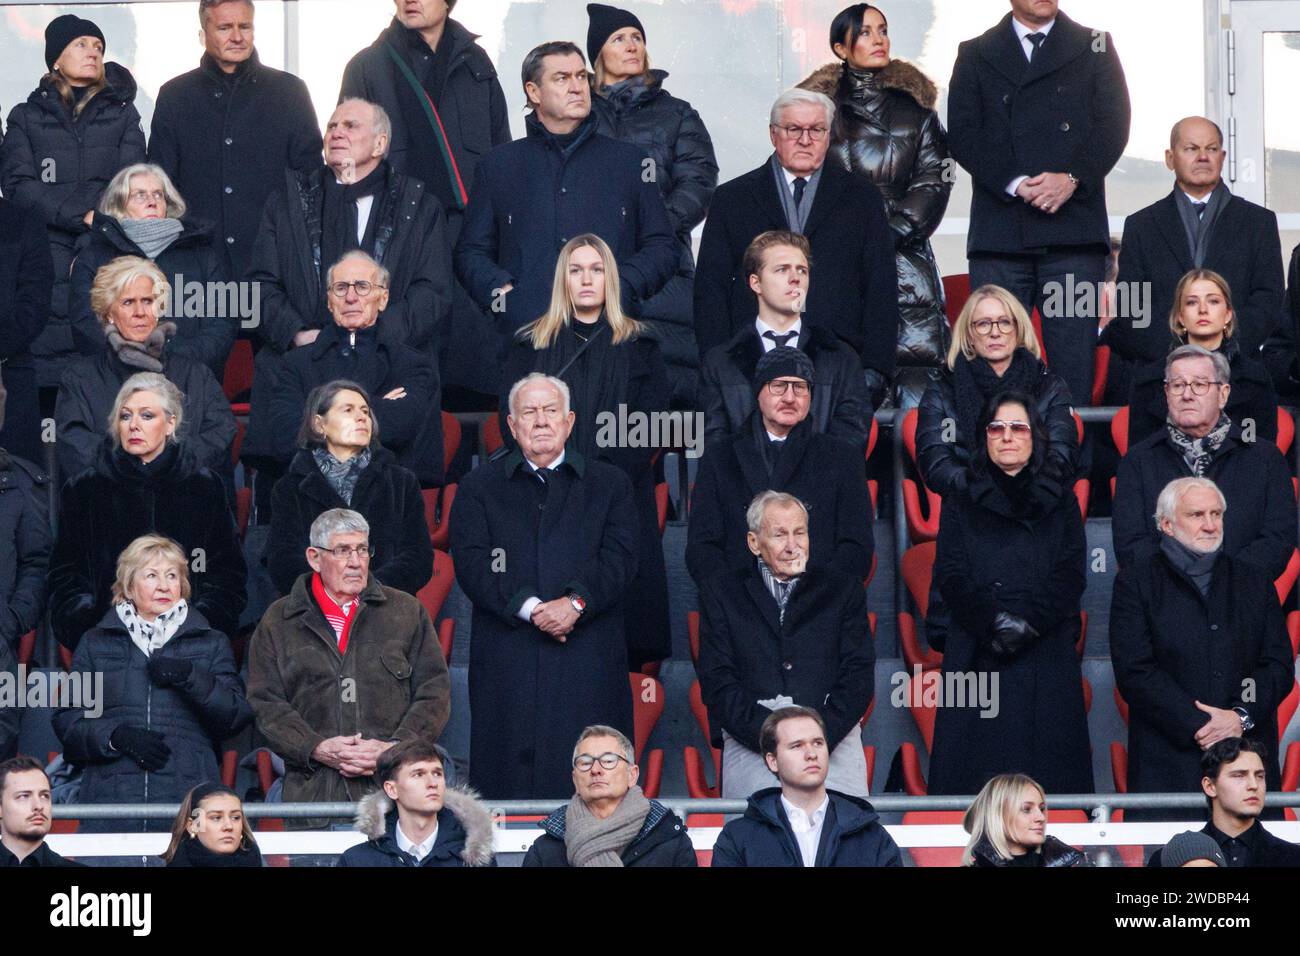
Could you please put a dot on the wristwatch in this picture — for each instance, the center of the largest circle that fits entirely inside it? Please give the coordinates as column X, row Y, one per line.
column 1246, row 722
column 1073, row 178
column 578, row 603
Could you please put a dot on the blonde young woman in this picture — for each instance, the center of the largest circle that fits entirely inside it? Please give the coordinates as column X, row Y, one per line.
column 993, row 350
column 211, row 831
column 615, row 374
column 1202, row 314
column 1007, row 824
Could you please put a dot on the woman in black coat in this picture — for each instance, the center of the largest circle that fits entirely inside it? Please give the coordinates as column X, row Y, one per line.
column 631, row 104
column 211, row 830
column 171, row 692
column 1009, row 573
column 128, row 295
column 144, row 481
column 142, row 214
column 1202, row 315
column 615, row 373
column 887, row 130
column 61, row 147
column 994, row 349
column 1007, row 824
column 342, row 465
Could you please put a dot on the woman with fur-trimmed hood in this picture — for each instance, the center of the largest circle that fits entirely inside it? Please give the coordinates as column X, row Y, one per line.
column 886, row 129
column 416, row 819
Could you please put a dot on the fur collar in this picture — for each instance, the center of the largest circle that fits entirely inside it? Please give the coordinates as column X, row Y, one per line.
column 465, row 806
column 898, row 75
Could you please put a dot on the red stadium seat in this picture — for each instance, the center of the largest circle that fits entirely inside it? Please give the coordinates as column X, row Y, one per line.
column 661, row 505
column 26, row 647
column 873, row 435
column 697, row 784
column 229, row 765
column 1286, row 582
column 1293, row 632
column 492, row 439
column 917, row 568
column 1100, row 372
column 1083, row 634
column 693, row 635
column 237, row 378
column 243, row 509
column 433, row 594
column 437, row 514
column 1036, row 321
column 921, row 526
column 1285, row 430
column 869, row 753
column 450, row 440
column 647, row 708
column 934, row 855
column 1119, row 430
column 1291, row 769
column 65, row 658
column 1119, row 766
column 913, row 654
column 956, row 290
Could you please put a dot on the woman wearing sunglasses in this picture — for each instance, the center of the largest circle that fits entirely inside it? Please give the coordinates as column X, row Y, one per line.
column 1009, row 573
column 993, row 349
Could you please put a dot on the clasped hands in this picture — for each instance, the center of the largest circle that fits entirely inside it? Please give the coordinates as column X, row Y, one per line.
column 556, row 617
column 1046, row 191
column 352, row 756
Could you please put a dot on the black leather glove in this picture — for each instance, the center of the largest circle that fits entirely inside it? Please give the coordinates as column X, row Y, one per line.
column 1011, row 635
column 169, row 671
column 146, row 747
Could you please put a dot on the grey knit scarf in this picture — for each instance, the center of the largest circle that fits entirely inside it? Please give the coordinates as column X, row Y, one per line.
column 1199, row 452
column 152, row 236
column 341, row 475
column 590, row 841
column 1197, row 565
column 146, row 355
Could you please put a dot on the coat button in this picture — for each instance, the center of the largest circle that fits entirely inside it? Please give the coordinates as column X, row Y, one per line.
column 229, row 141
column 787, row 666
column 1214, row 627
column 564, row 190
column 230, row 240
column 217, row 94
column 1006, row 97
column 229, row 190
column 1065, row 127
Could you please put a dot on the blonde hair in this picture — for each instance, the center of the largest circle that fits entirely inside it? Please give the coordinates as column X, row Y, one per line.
column 598, row 67
column 962, row 338
column 114, row 276
column 544, row 331
column 1176, row 309
column 988, row 815
column 140, row 552
column 118, row 191
column 64, row 88
column 171, row 398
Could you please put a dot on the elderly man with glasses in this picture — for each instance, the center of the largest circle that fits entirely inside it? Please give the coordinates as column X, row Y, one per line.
column 344, row 668
column 1199, row 440
column 609, row 821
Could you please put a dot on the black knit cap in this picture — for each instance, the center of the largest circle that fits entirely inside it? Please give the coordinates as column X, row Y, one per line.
column 63, row 30
column 781, row 362
column 606, row 21
column 1191, row 845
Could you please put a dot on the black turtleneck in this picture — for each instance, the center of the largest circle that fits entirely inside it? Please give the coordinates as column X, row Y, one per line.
column 190, row 852
column 133, row 466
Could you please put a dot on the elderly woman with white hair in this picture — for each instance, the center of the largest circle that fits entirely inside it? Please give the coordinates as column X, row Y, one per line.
column 171, row 692
column 129, row 296
column 145, row 480
column 142, row 214
column 1198, row 644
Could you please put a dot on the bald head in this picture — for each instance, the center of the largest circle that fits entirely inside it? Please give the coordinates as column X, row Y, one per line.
column 1197, row 129
column 1196, row 155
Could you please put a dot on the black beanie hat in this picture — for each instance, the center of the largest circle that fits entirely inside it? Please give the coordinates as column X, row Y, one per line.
column 780, row 362
column 62, row 31
column 606, row 21
column 1191, row 845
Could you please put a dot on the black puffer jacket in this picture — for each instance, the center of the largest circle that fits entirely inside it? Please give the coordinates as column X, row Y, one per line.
column 25, row 545
column 192, row 258
column 887, row 130
column 61, row 166
column 1053, row 853
column 945, row 464
column 194, row 717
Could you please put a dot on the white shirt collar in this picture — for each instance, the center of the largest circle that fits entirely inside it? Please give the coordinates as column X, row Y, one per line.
column 802, row 822
column 760, row 326
column 417, row 850
column 1203, row 199
column 1023, row 31
column 553, row 465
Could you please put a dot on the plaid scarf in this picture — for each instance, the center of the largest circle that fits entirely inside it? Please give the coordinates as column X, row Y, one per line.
column 1199, row 452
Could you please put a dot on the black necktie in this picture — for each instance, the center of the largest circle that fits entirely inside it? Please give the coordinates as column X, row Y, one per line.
column 800, row 184
column 543, row 475
column 1037, row 40
column 1200, row 208
column 781, row 339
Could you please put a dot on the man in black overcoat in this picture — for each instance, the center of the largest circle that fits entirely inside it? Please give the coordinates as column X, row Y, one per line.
column 545, row 543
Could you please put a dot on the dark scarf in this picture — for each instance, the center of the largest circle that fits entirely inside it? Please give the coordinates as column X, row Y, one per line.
column 975, row 382
column 339, row 213
column 1199, row 229
column 598, row 379
column 626, row 94
column 1199, row 452
column 190, row 852
column 342, row 476
column 770, row 450
column 428, row 158
column 1017, row 489
column 133, row 468
column 1197, row 565
column 147, row 356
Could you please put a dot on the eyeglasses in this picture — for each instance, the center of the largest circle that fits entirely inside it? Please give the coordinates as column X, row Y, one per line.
column 778, row 387
column 140, row 195
column 815, row 133
column 345, row 554
column 985, row 326
column 363, row 288
column 999, row 428
column 607, row 761
column 1198, row 388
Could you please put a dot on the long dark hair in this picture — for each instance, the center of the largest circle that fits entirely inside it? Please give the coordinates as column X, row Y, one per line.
column 982, row 464
column 190, row 807
column 848, row 23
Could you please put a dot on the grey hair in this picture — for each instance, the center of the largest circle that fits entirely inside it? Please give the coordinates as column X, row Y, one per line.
column 1172, row 493
column 336, row 521
column 381, row 125
column 170, row 397
column 1222, row 370
column 797, row 97
column 118, row 191
column 600, row 730
column 762, row 501
column 560, row 386
column 383, row 275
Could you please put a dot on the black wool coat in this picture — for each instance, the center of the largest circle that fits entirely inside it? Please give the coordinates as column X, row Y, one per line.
column 852, row 835
column 25, row 545
column 194, row 717
column 225, row 142
column 663, row 841
column 411, row 426
column 853, row 285
column 513, row 538
column 106, row 507
column 60, row 167
column 515, row 226
column 11, row 718
column 194, row 257
column 1259, row 525
column 1244, row 248
column 1279, row 351
column 840, row 404
column 1252, row 398
column 26, row 285
column 826, row 474
column 386, row 495
column 991, row 559
column 820, row 655
column 1171, row 647
column 1066, row 112
column 90, row 386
